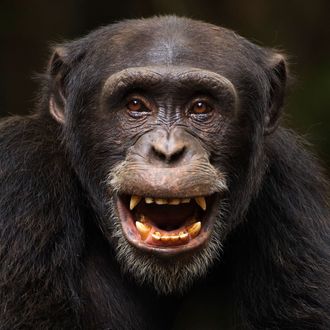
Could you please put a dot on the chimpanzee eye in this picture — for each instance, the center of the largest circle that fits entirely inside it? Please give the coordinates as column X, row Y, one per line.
column 135, row 105
column 200, row 107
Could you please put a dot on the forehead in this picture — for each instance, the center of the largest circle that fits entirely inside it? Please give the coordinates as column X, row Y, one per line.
column 171, row 41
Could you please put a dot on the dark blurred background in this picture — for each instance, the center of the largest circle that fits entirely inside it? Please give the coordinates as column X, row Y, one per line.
column 300, row 28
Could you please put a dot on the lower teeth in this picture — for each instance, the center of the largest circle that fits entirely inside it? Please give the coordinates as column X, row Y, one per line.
column 144, row 230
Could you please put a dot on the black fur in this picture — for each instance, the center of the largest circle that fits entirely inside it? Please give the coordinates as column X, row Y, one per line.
column 57, row 268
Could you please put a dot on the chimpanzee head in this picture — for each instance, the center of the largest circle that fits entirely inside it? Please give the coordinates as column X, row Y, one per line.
column 164, row 121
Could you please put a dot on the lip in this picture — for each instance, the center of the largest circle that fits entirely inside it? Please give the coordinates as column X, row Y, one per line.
column 133, row 237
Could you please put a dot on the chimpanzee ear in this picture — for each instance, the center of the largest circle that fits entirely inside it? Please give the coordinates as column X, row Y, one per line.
column 278, row 77
column 57, row 71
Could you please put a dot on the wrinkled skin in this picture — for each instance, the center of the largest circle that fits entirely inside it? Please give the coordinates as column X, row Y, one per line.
column 170, row 109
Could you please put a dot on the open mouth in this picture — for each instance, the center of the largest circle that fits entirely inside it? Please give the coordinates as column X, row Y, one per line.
column 167, row 225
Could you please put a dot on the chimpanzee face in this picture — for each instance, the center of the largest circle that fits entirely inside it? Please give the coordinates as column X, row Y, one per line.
column 166, row 187
column 159, row 128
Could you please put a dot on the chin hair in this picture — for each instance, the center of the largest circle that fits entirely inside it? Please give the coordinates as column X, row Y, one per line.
column 165, row 275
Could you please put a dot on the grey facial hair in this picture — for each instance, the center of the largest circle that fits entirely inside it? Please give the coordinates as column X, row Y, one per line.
column 165, row 276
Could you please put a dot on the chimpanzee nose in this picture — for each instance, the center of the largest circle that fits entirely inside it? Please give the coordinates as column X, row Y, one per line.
column 169, row 152
column 169, row 147
column 162, row 147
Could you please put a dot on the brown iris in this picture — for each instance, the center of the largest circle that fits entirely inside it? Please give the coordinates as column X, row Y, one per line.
column 135, row 105
column 200, row 107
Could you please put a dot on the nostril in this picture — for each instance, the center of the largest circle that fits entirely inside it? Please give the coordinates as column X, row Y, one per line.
column 169, row 156
column 159, row 154
column 176, row 155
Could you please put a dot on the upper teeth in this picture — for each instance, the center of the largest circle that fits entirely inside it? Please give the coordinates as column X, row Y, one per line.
column 135, row 200
column 201, row 202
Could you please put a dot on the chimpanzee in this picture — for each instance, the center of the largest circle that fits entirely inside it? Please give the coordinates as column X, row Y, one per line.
column 153, row 188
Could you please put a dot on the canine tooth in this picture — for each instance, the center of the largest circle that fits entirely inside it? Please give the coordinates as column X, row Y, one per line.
column 183, row 235
column 135, row 200
column 201, row 202
column 161, row 201
column 174, row 201
column 156, row 235
column 149, row 200
column 185, row 200
column 194, row 229
column 143, row 229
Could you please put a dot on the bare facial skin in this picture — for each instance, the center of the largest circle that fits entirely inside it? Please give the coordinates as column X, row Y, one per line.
column 167, row 193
